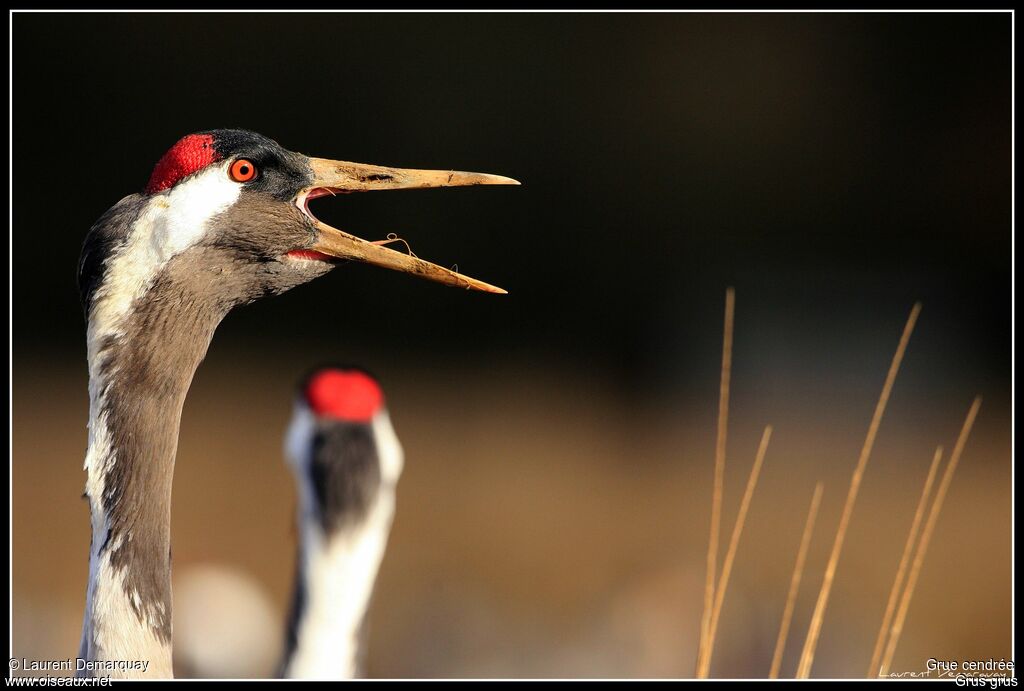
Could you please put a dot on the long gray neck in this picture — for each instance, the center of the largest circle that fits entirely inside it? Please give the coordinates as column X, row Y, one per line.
column 141, row 364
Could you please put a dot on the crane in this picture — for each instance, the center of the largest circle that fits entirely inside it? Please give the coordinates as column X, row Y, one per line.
column 224, row 220
column 346, row 460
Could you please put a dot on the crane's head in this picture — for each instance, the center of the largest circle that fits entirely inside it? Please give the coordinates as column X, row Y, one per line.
column 341, row 445
column 231, row 209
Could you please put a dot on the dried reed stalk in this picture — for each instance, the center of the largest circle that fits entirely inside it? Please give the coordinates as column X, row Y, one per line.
column 734, row 541
column 926, row 534
column 807, row 655
column 716, row 496
column 794, row 583
column 901, row 570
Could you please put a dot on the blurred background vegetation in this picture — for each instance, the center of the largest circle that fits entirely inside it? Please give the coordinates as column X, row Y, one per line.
column 552, row 519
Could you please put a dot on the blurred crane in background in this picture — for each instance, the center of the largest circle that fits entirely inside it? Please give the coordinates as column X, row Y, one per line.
column 347, row 460
column 223, row 221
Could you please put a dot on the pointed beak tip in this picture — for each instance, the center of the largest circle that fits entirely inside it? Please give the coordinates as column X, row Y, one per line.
column 474, row 284
column 490, row 179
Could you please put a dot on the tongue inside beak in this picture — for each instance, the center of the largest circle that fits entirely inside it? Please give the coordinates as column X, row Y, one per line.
column 333, row 177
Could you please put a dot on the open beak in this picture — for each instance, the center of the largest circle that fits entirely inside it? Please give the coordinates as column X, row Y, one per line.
column 333, row 177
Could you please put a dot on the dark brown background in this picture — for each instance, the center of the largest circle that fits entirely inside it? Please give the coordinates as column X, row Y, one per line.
column 552, row 519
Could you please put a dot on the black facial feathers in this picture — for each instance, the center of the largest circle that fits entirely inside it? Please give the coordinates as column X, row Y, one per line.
column 344, row 473
column 281, row 173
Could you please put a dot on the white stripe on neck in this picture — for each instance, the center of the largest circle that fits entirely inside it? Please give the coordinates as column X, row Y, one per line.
column 170, row 223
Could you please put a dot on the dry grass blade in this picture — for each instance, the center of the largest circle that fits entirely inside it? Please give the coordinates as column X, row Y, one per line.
column 794, row 584
column 807, row 655
column 926, row 534
column 901, row 570
column 716, row 496
column 734, row 541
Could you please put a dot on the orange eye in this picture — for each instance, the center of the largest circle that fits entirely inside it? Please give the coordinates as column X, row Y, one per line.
column 243, row 170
